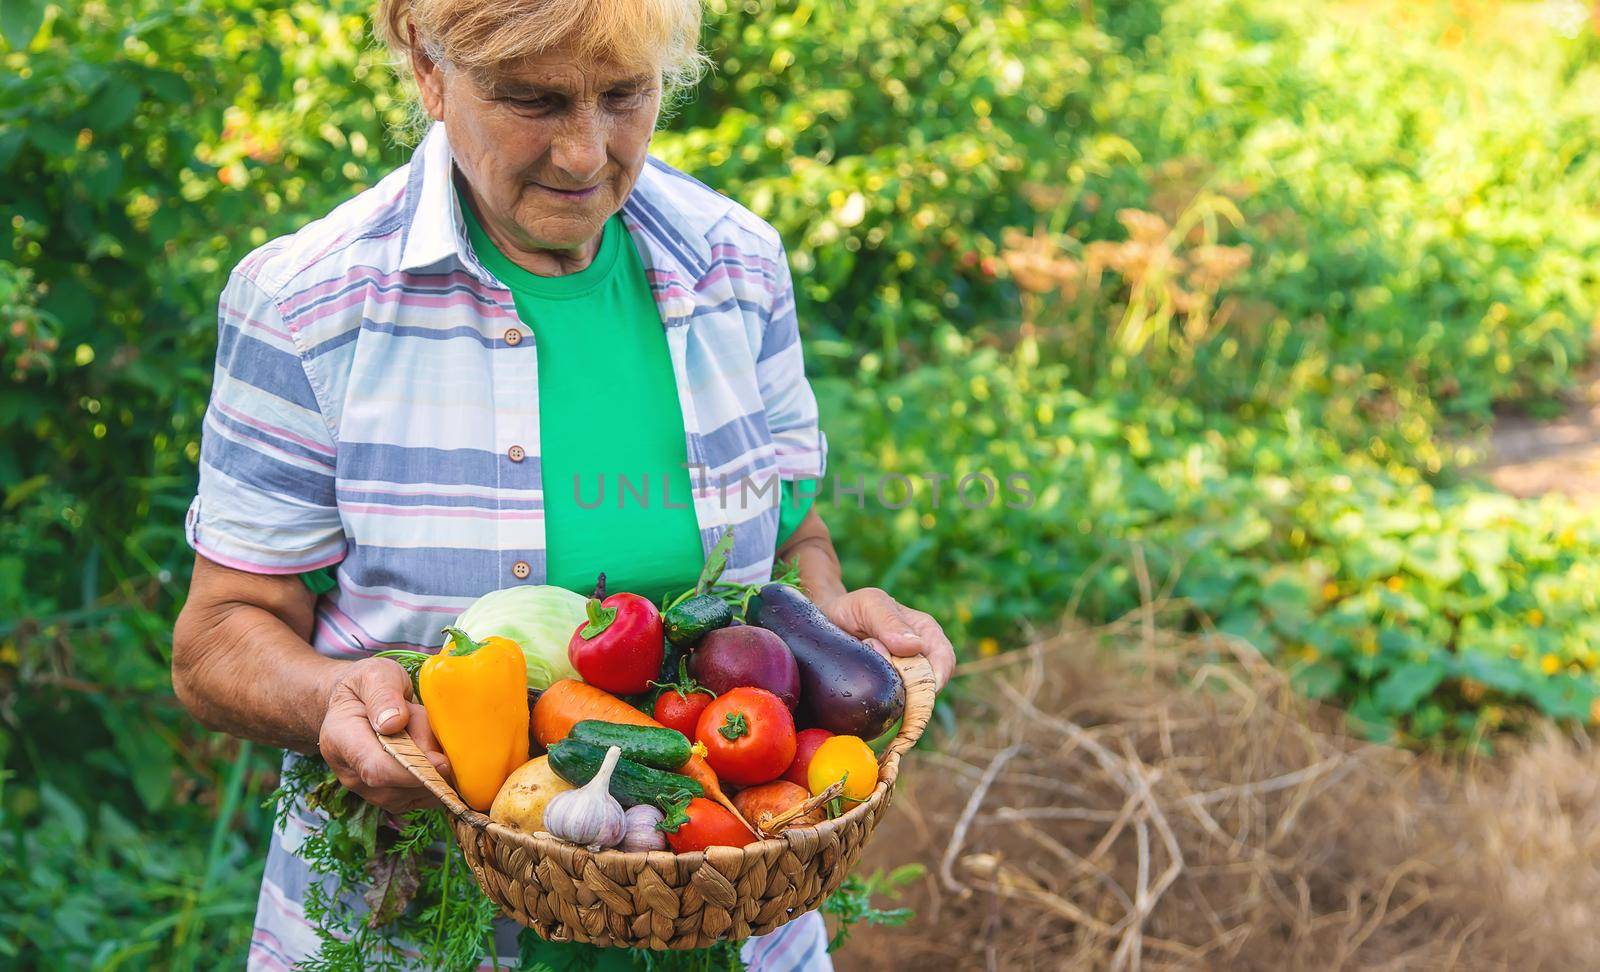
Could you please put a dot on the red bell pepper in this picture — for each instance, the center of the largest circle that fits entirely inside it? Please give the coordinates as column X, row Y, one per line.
column 620, row 647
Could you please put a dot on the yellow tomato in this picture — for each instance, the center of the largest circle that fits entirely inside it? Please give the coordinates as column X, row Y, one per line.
column 844, row 758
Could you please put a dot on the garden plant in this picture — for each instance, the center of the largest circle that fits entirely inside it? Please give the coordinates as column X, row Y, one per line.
column 1234, row 286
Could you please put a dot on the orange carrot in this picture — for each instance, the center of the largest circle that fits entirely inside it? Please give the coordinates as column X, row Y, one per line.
column 568, row 702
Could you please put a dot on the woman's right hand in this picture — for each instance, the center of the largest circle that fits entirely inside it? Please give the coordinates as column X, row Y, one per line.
column 370, row 696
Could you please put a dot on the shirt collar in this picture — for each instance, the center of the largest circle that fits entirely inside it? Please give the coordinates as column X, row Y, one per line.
column 668, row 209
column 436, row 230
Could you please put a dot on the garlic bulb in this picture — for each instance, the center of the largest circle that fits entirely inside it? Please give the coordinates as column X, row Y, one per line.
column 590, row 815
column 639, row 832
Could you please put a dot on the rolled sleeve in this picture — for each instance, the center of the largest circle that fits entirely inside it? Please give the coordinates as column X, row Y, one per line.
column 266, row 500
column 791, row 406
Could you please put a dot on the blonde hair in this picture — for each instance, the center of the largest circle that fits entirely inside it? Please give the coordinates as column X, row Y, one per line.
column 478, row 36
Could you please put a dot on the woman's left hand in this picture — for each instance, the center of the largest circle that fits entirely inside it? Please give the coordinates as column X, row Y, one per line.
column 887, row 625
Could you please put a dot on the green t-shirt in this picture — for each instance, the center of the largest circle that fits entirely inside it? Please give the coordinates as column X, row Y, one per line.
column 611, row 438
column 611, row 434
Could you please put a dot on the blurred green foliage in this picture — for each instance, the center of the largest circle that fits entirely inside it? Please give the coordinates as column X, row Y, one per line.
column 1223, row 278
column 144, row 148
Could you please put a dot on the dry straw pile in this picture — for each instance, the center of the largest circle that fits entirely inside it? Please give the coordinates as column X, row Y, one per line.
column 1176, row 806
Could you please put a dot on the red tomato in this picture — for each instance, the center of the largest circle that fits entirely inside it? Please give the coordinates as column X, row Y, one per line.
column 748, row 734
column 681, row 711
column 708, row 825
column 805, row 746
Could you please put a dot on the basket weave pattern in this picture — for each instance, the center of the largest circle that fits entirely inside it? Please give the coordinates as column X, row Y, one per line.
column 660, row 900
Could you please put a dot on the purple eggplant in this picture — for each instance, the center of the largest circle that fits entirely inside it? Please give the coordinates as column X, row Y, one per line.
column 845, row 686
column 727, row 658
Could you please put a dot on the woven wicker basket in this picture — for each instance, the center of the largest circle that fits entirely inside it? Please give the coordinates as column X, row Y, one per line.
column 660, row 900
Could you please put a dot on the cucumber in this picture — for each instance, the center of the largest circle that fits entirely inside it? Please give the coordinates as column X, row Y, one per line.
column 687, row 622
column 632, row 784
column 654, row 746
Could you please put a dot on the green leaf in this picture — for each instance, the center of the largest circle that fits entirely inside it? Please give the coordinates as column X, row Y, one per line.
column 1394, row 521
column 20, row 21
column 1398, row 642
column 148, row 761
column 1245, row 532
column 1564, row 697
column 1318, row 680
column 394, row 877
column 102, row 177
column 1435, row 559
column 117, row 830
column 716, row 562
column 112, row 106
column 1095, row 421
column 1499, row 673
column 1377, row 557
column 905, row 874
column 62, row 812
column 1367, row 719
column 18, row 494
column 1486, row 549
column 56, row 141
column 1207, row 590
column 1288, row 601
column 167, row 86
column 1428, row 721
column 1405, row 686
column 1246, row 625
column 11, row 143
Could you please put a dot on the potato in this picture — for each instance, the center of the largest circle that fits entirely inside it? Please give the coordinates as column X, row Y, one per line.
column 522, row 798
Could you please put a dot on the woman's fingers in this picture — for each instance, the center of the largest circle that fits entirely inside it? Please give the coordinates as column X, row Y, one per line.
column 373, row 697
column 384, row 690
column 422, row 734
column 891, row 628
column 872, row 613
column 941, row 653
column 350, row 747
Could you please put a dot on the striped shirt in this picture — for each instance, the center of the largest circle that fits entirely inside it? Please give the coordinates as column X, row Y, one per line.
column 376, row 407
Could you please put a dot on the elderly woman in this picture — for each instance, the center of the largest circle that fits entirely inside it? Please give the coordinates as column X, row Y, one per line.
column 436, row 388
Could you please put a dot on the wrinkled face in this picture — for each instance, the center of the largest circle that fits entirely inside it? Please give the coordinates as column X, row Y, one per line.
column 551, row 146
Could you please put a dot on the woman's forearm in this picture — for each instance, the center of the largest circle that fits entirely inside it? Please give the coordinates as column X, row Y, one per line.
column 868, row 613
column 241, row 662
column 810, row 548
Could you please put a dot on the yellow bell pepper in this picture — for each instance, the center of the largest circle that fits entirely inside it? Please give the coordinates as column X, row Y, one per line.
column 476, row 696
